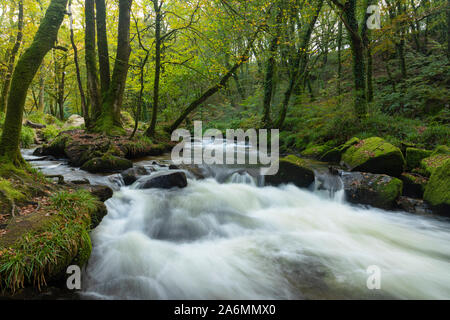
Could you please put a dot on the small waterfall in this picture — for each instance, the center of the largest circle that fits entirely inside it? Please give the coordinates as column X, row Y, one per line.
column 329, row 184
column 242, row 177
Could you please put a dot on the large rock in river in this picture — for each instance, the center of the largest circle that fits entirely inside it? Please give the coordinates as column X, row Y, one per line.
column 294, row 170
column 374, row 155
column 107, row 164
column 131, row 175
column 164, row 180
column 437, row 192
column 377, row 190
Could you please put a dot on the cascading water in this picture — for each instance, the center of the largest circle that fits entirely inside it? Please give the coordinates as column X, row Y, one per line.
column 229, row 237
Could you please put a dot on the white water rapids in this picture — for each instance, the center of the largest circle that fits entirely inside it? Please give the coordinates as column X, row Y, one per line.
column 228, row 237
column 239, row 241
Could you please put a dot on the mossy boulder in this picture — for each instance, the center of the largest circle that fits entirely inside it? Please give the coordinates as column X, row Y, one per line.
column 294, row 170
column 377, row 190
column 437, row 192
column 107, row 164
column 334, row 155
column 374, row 155
column 56, row 147
column 435, row 160
column 413, row 185
column 430, row 164
column 414, row 156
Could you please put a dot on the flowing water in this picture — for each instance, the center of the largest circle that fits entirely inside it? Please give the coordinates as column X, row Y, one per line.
column 230, row 237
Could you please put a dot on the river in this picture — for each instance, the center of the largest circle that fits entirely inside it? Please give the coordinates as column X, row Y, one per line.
column 231, row 237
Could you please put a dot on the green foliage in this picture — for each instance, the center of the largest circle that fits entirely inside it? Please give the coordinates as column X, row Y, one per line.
column 50, row 132
column 27, row 136
column 44, row 253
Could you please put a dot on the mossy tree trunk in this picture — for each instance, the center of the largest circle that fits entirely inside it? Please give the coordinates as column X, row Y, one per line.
column 12, row 59
column 102, row 44
column 26, row 68
column 270, row 69
column 300, row 64
column 348, row 10
column 84, row 109
column 109, row 121
column 157, row 7
column 91, row 62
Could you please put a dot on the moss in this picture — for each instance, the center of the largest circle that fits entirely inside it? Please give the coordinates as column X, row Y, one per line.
column 105, row 124
column 389, row 191
column 316, row 151
column 57, row 146
column 374, row 155
column 127, row 119
column 334, row 155
column 106, row 164
column 441, row 150
column 430, row 164
column 54, row 239
column 294, row 170
column 414, row 156
column 437, row 192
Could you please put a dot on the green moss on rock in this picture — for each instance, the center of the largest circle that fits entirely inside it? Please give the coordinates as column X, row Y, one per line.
column 414, row 156
column 334, row 155
column 294, row 170
column 430, row 164
column 374, row 155
column 437, row 192
column 107, row 164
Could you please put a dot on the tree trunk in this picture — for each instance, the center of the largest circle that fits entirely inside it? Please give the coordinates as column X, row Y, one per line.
column 339, row 79
column 84, row 109
column 109, row 121
column 299, row 65
column 91, row 62
column 448, row 30
column 151, row 130
column 26, row 68
column 270, row 70
column 12, row 59
column 357, row 48
column 61, row 87
column 102, row 44
column 41, row 105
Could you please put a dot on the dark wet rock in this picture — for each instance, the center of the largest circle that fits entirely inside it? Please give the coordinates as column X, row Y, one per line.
column 165, row 180
column 173, row 167
column 80, row 182
column 412, row 205
column 107, row 164
column 98, row 215
column 103, row 193
column 377, row 190
column 131, row 175
column 413, row 185
column 294, row 170
column 194, row 170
